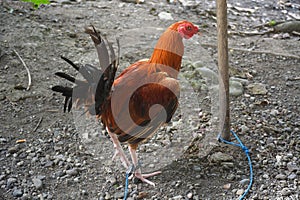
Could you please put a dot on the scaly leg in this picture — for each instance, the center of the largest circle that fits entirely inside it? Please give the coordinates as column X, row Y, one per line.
column 119, row 150
column 137, row 173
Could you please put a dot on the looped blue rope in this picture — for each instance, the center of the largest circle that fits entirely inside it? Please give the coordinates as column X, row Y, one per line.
column 246, row 150
column 129, row 171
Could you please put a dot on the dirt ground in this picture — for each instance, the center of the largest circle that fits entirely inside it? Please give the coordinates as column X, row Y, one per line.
column 56, row 163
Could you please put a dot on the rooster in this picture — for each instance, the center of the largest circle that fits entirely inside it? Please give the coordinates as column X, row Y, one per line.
column 136, row 103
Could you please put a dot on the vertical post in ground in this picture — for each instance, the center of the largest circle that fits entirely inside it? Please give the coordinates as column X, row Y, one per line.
column 223, row 69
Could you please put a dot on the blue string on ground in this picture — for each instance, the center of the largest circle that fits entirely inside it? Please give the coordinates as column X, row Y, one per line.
column 246, row 150
column 129, row 171
column 126, row 186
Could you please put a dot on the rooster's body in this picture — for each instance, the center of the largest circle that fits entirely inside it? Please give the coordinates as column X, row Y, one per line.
column 141, row 99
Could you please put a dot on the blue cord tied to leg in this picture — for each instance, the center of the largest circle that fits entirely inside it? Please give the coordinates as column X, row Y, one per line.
column 246, row 150
column 129, row 171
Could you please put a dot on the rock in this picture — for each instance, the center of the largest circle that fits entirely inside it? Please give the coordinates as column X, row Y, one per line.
column 107, row 196
column 189, row 3
column 274, row 112
column 210, row 76
column 244, row 129
column 179, row 197
column 280, row 177
column 240, row 191
column 142, row 195
column 286, row 192
column 3, row 140
column 244, row 181
column 292, row 167
column 292, row 176
column 198, row 64
column 189, row 195
column 72, row 172
column 118, row 195
column 112, row 180
column 38, row 184
column 235, row 88
column 2, row 176
column 13, row 149
column 10, row 182
column 220, row 157
column 257, row 88
column 227, row 186
column 165, row 16
column 196, row 168
column 241, row 80
column 21, row 163
column 17, row 192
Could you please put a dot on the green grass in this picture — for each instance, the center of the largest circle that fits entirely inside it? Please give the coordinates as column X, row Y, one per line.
column 37, row 3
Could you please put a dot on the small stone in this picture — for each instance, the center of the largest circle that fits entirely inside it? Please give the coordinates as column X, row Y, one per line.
column 244, row 181
column 2, row 177
column 3, row 140
column 286, row 192
column 142, row 195
column 265, row 176
column 72, row 172
column 257, row 88
column 10, row 182
column 292, row 176
column 189, row 195
column 17, row 192
column 274, row 112
column 235, row 88
column 227, row 186
column 118, row 195
column 209, row 75
column 112, row 180
column 179, row 197
column 48, row 164
column 20, row 163
column 280, row 176
column 240, row 191
column 292, row 167
column 197, row 168
column 263, row 187
column 13, row 149
column 38, row 184
column 107, row 196
column 165, row 16
column 244, row 129
column 220, row 157
column 189, row 3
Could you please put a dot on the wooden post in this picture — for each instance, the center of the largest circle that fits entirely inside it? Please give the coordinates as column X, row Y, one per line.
column 223, row 69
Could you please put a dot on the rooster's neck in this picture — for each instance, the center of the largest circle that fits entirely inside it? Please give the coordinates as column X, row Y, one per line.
column 168, row 52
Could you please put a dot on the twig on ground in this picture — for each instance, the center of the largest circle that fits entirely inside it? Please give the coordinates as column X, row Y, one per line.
column 28, row 72
column 38, row 124
column 250, row 33
column 254, row 51
column 292, row 27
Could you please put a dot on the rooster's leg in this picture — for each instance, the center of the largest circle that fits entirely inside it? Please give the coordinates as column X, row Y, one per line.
column 119, row 150
column 137, row 173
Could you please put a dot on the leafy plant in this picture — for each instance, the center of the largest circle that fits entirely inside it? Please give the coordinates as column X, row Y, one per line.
column 37, row 3
column 272, row 23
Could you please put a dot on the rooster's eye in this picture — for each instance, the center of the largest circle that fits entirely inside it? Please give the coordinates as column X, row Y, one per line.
column 189, row 28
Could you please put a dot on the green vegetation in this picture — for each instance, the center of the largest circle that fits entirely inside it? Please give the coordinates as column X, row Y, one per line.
column 37, row 3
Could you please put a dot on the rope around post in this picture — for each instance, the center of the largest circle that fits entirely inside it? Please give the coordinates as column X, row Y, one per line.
column 246, row 150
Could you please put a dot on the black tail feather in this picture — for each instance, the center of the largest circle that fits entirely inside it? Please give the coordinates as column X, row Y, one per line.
column 65, row 76
column 70, row 62
column 93, row 91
